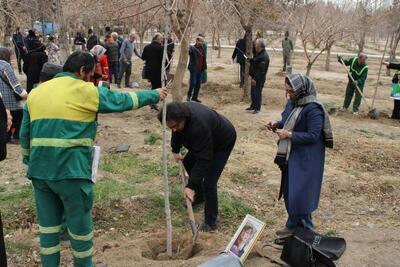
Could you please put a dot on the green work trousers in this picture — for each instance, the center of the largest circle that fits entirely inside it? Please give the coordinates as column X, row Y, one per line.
column 74, row 199
column 286, row 60
column 350, row 91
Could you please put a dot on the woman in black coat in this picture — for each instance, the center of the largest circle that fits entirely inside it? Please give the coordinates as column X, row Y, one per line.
column 395, row 80
column 33, row 64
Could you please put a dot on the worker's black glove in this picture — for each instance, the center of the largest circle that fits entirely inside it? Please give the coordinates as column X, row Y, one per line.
column 340, row 59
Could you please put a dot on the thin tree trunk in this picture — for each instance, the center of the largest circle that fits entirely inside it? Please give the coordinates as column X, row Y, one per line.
column 63, row 36
column 249, row 52
column 164, row 131
column 309, row 66
column 218, row 44
column 328, row 57
column 7, row 24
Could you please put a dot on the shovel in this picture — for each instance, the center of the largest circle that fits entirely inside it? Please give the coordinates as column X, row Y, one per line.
column 372, row 112
column 189, row 207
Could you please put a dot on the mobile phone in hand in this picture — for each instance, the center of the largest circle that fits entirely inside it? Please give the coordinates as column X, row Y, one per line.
column 104, row 84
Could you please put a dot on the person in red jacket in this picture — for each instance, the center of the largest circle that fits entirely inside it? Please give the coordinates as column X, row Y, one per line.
column 101, row 68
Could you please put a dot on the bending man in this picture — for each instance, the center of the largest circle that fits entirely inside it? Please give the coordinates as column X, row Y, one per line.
column 210, row 138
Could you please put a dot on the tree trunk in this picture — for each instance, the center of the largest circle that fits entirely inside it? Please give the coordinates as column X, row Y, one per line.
column 249, row 52
column 218, row 44
column 7, row 24
column 213, row 38
column 177, row 93
column 394, row 41
column 309, row 66
column 63, row 28
column 328, row 57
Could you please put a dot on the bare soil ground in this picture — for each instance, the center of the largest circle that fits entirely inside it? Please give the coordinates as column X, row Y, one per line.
column 360, row 198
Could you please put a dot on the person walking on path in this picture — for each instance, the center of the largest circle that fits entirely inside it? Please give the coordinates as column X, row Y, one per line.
column 119, row 40
column 125, row 61
column 197, row 65
column 239, row 55
column 57, row 138
column 359, row 72
column 304, row 131
column 258, row 73
column 395, row 88
column 112, row 58
column 20, row 47
column 210, row 138
column 52, row 51
column 287, row 50
column 152, row 56
column 12, row 93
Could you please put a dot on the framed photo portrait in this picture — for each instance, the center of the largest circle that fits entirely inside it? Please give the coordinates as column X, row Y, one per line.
column 245, row 237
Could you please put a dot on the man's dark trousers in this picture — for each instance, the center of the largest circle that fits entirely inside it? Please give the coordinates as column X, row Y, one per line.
column 208, row 189
column 112, row 67
column 125, row 68
column 19, row 53
column 195, row 83
column 256, row 94
column 242, row 70
column 155, row 82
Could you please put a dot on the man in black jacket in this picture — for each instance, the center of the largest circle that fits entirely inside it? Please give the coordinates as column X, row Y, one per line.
column 153, row 55
column 239, row 54
column 258, row 72
column 92, row 40
column 20, row 47
column 197, row 65
column 210, row 138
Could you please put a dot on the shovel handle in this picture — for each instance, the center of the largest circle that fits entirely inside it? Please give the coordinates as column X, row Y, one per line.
column 189, row 207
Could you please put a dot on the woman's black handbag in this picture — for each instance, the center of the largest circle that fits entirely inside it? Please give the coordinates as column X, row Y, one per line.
column 309, row 249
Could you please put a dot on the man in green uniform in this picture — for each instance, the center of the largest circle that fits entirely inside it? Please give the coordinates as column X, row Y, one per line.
column 359, row 72
column 57, row 138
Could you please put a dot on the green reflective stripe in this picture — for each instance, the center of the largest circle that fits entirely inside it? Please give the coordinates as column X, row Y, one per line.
column 87, row 237
column 56, row 142
column 357, row 72
column 49, row 251
column 25, row 152
column 83, row 254
column 50, row 230
column 135, row 100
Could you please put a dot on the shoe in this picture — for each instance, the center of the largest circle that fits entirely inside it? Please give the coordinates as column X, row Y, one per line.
column 356, row 113
column 256, row 111
column 343, row 109
column 118, row 86
column 129, row 86
column 155, row 107
column 208, row 228
column 249, row 109
column 188, row 99
column 284, row 232
column 196, row 100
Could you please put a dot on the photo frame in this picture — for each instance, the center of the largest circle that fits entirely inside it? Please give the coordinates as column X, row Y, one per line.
column 245, row 237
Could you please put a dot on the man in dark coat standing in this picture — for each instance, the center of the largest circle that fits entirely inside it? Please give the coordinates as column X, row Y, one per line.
column 153, row 56
column 20, row 47
column 239, row 54
column 258, row 72
column 210, row 138
column 197, row 65
column 304, row 131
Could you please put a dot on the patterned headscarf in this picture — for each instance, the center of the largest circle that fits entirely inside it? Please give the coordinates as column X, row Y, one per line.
column 98, row 51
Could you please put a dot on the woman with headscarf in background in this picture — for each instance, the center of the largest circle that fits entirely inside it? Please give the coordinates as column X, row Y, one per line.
column 12, row 93
column 52, row 51
column 34, row 61
column 101, row 72
column 304, row 131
